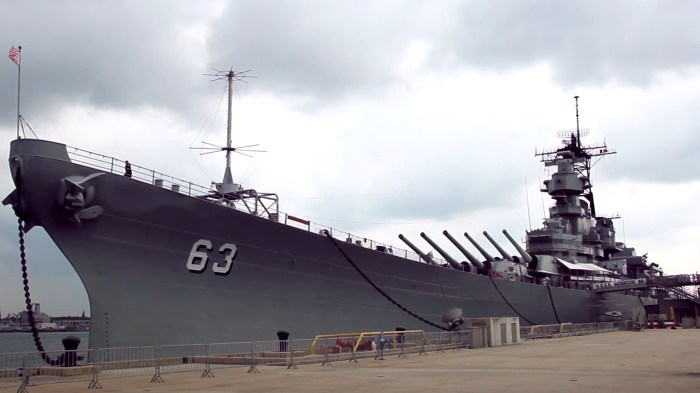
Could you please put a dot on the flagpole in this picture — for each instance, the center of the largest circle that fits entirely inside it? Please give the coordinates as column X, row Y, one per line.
column 19, row 79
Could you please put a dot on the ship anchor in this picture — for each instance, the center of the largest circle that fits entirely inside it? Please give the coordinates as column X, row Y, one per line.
column 75, row 194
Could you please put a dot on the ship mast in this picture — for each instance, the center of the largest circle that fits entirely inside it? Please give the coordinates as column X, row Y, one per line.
column 578, row 129
column 579, row 158
column 263, row 204
column 588, row 194
column 227, row 186
column 228, row 178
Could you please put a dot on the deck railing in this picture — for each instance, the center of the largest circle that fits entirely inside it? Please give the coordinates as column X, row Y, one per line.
column 175, row 184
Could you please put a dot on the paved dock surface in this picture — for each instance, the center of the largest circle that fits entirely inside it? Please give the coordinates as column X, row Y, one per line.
column 648, row 361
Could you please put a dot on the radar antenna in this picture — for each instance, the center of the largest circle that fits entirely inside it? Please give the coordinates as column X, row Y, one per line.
column 579, row 154
column 227, row 185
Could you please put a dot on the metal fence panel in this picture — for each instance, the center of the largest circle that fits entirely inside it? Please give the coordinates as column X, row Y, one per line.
column 304, row 351
column 181, row 358
column 126, row 362
column 271, row 353
column 11, row 369
column 568, row 329
column 229, row 355
column 48, row 367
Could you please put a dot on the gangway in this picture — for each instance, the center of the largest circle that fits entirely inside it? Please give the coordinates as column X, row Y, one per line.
column 682, row 286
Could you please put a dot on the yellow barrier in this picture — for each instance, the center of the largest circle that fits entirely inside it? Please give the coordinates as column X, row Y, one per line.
column 541, row 328
column 362, row 335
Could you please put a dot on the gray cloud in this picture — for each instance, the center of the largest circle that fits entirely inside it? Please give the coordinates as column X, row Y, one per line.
column 661, row 147
column 591, row 42
column 322, row 49
column 117, row 54
column 331, row 49
column 125, row 54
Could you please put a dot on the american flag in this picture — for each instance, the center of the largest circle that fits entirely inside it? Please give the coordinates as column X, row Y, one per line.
column 14, row 55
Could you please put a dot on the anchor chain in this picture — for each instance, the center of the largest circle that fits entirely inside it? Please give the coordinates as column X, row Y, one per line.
column 27, row 295
column 381, row 292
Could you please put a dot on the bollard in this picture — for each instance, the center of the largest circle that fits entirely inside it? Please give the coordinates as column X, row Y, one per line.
column 283, row 336
column 400, row 337
column 69, row 358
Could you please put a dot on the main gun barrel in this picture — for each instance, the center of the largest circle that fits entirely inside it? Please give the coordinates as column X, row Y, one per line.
column 526, row 257
column 453, row 262
column 475, row 262
column 417, row 250
column 478, row 247
column 499, row 248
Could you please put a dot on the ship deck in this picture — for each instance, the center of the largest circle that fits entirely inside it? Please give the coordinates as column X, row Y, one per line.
column 661, row 360
column 116, row 166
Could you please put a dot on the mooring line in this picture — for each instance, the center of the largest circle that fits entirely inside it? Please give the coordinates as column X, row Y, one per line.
column 551, row 301
column 508, row 303
column 27, row 295
column 370, row 282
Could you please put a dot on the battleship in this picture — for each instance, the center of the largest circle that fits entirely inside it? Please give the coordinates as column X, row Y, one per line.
column 165, row 261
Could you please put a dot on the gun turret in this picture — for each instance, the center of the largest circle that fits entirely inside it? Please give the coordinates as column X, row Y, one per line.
column 526, row 257
column 453, row 262
column 427, row 258
column 477, row 263
column 499, row 248
column 478, row 247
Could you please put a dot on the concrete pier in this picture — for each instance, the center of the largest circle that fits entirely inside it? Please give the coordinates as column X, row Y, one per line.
column 662, row 360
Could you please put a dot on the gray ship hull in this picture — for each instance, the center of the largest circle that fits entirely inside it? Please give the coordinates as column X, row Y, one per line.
column 133, row 258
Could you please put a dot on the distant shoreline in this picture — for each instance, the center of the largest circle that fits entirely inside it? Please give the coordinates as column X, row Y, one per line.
column 46, row 331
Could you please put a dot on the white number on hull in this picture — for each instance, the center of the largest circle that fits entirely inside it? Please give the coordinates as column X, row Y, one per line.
column 199, row 256
column 198, row 259
column 229, row 250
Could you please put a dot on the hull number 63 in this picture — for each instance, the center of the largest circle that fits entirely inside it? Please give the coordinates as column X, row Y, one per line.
column 199, row 256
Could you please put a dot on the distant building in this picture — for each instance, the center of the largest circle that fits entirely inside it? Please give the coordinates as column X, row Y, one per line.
column 73, row 324
column 39, row 317
column 10, row 321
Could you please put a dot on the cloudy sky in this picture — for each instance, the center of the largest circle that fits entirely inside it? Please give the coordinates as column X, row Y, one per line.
column 377, row 117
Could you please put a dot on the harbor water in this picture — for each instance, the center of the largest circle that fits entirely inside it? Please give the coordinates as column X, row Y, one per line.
column 24, row 342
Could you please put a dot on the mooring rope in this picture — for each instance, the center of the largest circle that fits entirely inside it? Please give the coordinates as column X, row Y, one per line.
column 370, row 282
column 508, row 303
column 551, row 301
